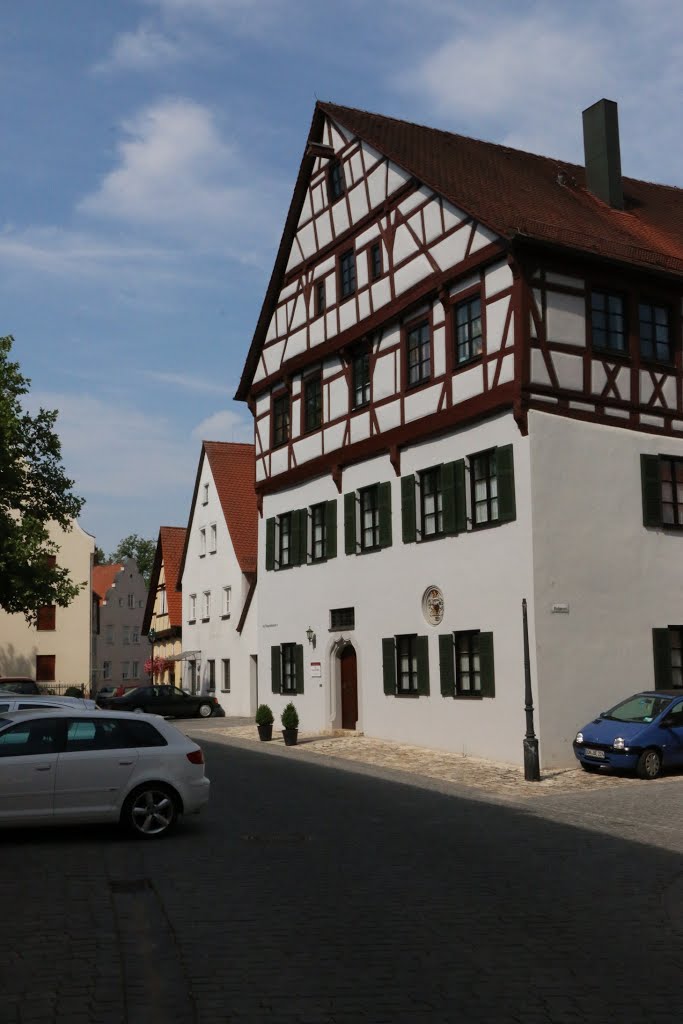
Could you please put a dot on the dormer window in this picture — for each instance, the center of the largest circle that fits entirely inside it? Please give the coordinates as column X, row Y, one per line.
column 336, row 186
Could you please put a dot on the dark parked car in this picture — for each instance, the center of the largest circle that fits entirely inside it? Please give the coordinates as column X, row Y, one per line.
column 641, row 734
column 169, row 701
column 18, row 684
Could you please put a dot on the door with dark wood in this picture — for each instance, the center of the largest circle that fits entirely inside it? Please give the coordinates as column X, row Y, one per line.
column 349, row 688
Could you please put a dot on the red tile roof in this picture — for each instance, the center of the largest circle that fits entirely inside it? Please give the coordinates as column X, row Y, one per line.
column 517, row 195
column 234, row 472
column 104, row 577
column 172, row 541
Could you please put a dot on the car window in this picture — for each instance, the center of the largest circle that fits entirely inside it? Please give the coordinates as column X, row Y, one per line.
column 37, row 736
column 677, row 712
column 26, row 706
column 641, row 708
column 4, row 707
column 95, row 734
column 177, row 692
column 143, row 734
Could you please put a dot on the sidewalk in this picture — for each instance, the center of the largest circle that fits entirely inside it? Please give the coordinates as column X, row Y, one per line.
column 490, row 777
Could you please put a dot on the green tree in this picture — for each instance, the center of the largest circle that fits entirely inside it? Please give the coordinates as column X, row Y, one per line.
column 34, row 491
column 100, row 557
column 143, row 551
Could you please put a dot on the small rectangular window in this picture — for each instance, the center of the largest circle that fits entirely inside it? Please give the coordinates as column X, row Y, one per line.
column 213, row 538
column 125, row 635
column 484, row 488
column 369, row 518
column 227, row 593
column 360, row 369
column 671, row 476
column 135, row 670
column 106, row 670
column 318, row 546
column 125, row 669
column 336, row 184
column 131, row 600
column 655, row 333
column 205, row 494
column 45, row 668
column 206, row 605
column 343, row 618
column 608, row 321
column 163, row 605
column 468, row 335
column 46, row 617
column 313, row 403
column 419, row 349
column 319, row 298
column 431, row 502
column 467, row 665
column 289, row 668
column 225, row 675
column 192, row 608
column 109, row 635
column 285, row 539
column 376, row 261
column 211, row 675
column 280, row 420
column 406, row 664
column 202, row 542
column 347, row 273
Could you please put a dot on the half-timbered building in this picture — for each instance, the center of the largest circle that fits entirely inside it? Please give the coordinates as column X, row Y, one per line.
column 467, row 390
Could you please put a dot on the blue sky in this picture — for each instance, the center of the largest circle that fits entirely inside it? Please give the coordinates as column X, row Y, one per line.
column 149, row 152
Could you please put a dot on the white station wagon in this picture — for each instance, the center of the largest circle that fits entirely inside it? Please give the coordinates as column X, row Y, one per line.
column 27, row 702
column 74, row 767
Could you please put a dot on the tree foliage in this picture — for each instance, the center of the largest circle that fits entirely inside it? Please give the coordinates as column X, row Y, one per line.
column 34, row 491
column 143, row 551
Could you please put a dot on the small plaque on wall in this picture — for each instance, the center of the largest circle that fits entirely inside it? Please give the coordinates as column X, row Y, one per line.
column 560, row 609
column 315, row 670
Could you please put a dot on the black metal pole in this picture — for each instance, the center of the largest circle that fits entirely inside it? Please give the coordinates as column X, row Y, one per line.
column 532, row 768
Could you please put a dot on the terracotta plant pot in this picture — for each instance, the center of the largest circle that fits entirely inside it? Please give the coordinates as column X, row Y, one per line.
column 265, row 732
column 290, row 737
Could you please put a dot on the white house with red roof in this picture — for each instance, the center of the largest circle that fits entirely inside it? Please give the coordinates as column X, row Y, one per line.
column 121, row 649
column 467, row 389
column 217, row 576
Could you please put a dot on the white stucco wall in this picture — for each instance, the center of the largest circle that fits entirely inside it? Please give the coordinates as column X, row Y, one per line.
column 483, row 574
column 592, row 553
column 218, row 638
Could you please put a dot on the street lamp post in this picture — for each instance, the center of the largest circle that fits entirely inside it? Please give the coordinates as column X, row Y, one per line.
column 532, row 770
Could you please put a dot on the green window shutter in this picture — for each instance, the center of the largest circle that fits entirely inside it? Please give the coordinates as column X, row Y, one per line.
column 488, row 680
column 350, row 523
column 505, row 471
column 447, row 664
column 270, row 543
column 661, row 645
column 302, row 550
column 460, row 496
column 275, row 671
column 422, row 644
column 389, row 666
column 650, row 482
column 385, row 515
column 299, row 667
column 408, row 516
column 331, row 529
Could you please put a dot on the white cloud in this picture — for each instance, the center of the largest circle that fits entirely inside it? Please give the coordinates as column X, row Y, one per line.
column 225, row 425
column 176, row 173
column 145, row 49
column 187, row 382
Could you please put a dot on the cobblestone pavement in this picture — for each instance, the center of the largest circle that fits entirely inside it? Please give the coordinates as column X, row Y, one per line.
column 307, row 894
column 490, row 777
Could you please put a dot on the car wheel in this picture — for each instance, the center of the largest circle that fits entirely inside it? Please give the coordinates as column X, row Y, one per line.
column 150, row 811
column 589, row 767
column 649, row 764
column 205, row 711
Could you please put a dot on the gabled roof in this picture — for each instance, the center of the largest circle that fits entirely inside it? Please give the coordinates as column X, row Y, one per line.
column 169, row 552
column 517, row 195
column 104, row 577
column 233, row 467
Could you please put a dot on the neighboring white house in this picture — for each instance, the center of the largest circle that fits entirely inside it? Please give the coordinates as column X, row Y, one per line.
column 217, row 577
column 467, row 389
column 121, row 650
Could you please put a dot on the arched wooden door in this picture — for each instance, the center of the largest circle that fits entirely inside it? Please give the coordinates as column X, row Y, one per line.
column 349, row 688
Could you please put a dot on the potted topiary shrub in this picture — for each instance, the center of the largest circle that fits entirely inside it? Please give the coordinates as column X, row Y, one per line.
column 290, row 725
column 264, row 722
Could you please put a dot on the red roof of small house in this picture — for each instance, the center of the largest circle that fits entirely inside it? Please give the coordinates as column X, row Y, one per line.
column 234, row 472
column 172, row 542
column 518, row 195
column 103, row 579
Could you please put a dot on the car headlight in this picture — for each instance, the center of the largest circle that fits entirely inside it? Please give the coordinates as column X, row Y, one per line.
column 579, row 737
column 618, row 743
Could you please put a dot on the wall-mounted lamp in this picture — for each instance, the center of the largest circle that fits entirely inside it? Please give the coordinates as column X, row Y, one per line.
column 310, row 636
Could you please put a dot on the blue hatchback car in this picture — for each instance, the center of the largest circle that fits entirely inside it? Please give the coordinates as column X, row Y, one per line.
column 641, row 734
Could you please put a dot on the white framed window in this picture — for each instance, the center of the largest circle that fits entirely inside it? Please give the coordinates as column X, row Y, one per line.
column 126, row 634
column 163, row 606
column 213, row 538
column 106, row 670
column 202, row 542
column 205, row 494
column 135, row 670
column 227, row 598
column 125, row 669
column 135, row 636
column 225, row 675
column 211, row 675
column 131, row 600
column 206, row 604
column 192, row 607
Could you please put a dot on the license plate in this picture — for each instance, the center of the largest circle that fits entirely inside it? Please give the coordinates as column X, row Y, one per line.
column 589, row 752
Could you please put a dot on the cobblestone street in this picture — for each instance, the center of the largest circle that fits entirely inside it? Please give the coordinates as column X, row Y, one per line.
column 345, row 881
